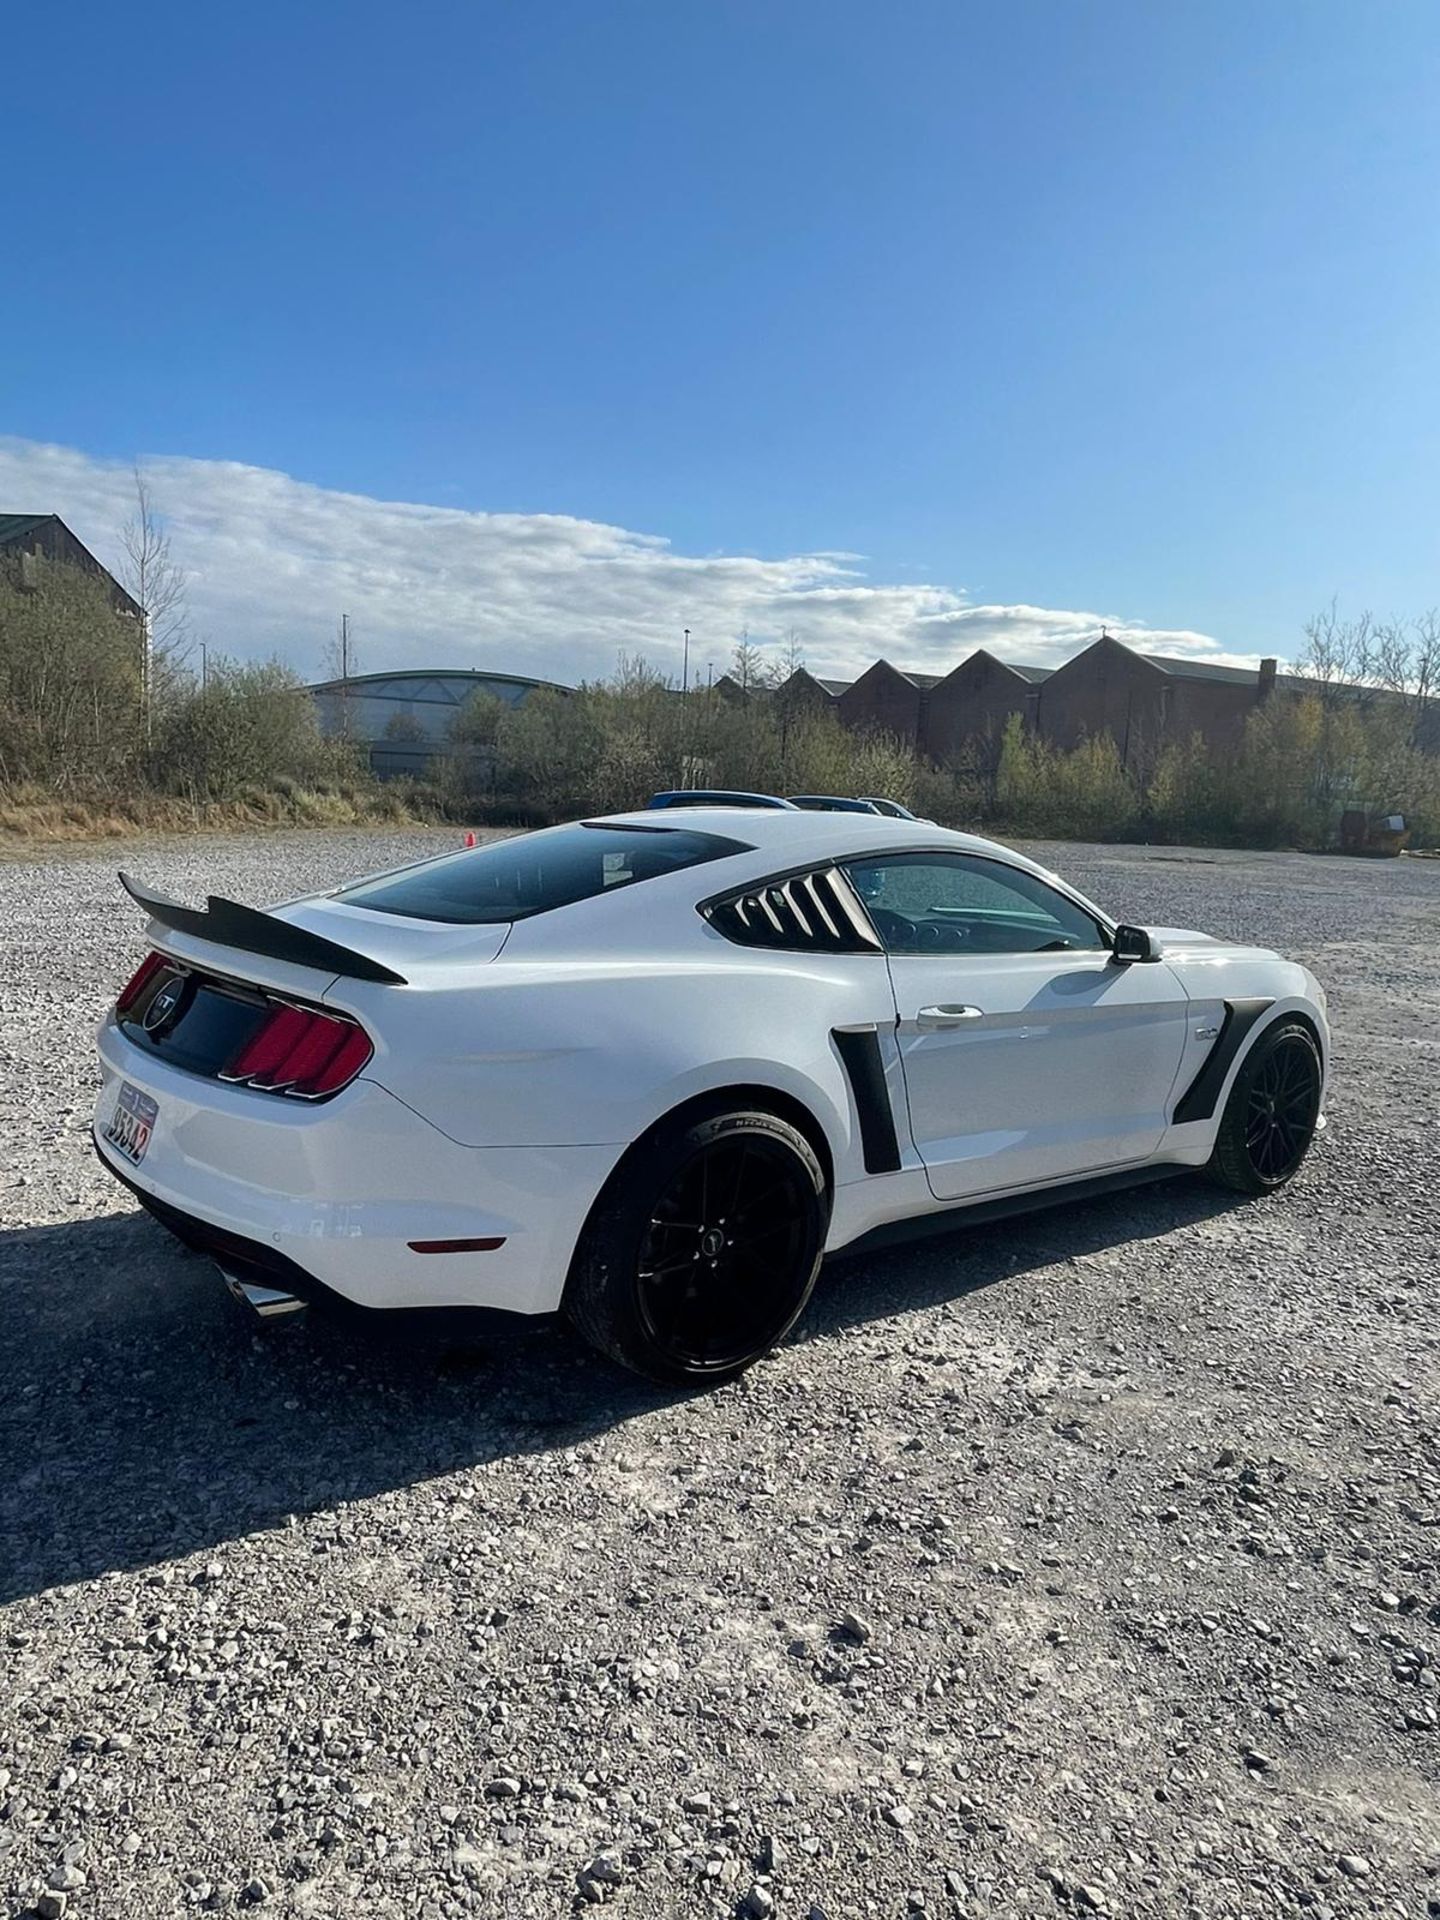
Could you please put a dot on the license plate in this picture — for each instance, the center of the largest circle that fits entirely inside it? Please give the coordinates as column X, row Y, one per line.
column 132, row 1123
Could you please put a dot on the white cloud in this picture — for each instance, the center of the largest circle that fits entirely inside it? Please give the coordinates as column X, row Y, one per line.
column 272, row 562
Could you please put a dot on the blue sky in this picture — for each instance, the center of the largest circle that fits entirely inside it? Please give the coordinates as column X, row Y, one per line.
column 1105, row 310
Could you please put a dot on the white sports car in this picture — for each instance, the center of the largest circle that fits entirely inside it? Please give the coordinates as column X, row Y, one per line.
column 651, row 1068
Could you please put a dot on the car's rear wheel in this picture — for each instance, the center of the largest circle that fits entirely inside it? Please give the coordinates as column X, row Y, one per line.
column 703, row 1249
column 1271, row 1115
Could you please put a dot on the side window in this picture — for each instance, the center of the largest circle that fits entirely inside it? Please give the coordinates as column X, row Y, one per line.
column 814, row 912
column 959, row 903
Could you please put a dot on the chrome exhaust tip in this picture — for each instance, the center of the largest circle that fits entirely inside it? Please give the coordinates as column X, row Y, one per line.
column 269, row 1302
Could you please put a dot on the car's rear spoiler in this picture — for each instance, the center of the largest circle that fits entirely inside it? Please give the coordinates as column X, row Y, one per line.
column 229, row 924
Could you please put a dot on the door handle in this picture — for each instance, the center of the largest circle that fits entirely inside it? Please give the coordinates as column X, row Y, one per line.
column 947, row 1016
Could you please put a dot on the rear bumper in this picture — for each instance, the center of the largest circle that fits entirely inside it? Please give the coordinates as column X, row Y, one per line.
column 330, row 1197
column 246, row 1261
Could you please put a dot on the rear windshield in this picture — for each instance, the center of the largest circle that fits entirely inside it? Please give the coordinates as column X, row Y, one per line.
column 535, row 872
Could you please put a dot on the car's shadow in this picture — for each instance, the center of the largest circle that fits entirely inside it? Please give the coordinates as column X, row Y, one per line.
column 145, row 1416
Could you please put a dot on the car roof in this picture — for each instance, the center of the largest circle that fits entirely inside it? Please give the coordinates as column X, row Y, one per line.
column 658, row 916
column 789, row 838
column 691, row 797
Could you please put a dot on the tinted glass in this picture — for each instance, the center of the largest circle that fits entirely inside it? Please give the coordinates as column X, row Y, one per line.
column 955, row 903
column 536, row 872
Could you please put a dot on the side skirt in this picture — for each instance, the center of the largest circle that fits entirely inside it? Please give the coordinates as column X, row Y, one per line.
column 925, row 1226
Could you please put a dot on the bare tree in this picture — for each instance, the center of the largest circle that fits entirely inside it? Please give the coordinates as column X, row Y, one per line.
column 1353, row 662
column 635, row 676
column 1338, row 653
column 157, row 585
column 1425, row 661
column 1406, row 662
column 747, row 664
column 792, row 657
column 754, row 672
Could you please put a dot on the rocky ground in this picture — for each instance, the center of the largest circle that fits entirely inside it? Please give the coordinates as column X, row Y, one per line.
column 1084, row 1565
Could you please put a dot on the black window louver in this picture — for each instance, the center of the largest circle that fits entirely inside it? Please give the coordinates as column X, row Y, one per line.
column 808, row 912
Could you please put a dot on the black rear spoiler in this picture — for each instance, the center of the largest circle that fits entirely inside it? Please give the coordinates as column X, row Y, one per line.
column 229, row 924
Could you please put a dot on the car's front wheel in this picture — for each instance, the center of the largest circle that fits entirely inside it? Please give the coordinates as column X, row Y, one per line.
column 703, row 1249
column 1271, row 1115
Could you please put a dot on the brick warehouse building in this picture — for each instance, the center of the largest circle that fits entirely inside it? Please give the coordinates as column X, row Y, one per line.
column 31, row 541
column 970, row 708
column 1142, row 701
column 885, row 700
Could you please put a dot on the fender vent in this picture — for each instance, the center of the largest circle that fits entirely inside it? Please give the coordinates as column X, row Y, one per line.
column 813, row 912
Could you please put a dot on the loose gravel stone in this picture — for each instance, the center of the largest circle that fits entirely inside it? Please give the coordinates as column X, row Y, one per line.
column 1047, row 1534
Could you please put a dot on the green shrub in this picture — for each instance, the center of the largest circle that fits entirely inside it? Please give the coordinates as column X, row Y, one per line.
column 71, row 680
column 245, row 725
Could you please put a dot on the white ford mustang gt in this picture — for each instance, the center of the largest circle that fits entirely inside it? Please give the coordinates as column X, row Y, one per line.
column 651, row 1068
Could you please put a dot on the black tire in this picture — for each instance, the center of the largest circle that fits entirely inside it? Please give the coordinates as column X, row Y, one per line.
column 1270, row 1117
column 631, row 1292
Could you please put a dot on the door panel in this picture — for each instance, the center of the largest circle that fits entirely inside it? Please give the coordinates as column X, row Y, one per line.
column 1060, row 1065
column 1029, row 1055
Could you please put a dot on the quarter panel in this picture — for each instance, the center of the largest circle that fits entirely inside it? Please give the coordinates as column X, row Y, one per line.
column 593, row 1052
column 344, row 1188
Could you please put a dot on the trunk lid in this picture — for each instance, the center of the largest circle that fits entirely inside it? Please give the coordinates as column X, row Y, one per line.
column 409, row 947
column 230, row 971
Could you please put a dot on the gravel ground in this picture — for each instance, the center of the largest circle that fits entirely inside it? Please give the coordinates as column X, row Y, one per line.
column 1089, row 1564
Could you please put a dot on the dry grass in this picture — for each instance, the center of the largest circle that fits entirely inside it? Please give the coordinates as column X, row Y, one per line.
column 33, row 816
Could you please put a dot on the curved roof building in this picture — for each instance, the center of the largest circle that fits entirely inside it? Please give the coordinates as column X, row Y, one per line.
column 404, row 718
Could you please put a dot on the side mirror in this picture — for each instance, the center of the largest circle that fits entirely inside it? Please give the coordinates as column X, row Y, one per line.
column 1131, row 945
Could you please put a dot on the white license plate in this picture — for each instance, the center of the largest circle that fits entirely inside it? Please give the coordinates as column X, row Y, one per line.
column 132, row 1123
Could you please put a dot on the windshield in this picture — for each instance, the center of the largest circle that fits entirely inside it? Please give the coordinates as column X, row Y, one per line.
column 536, row 872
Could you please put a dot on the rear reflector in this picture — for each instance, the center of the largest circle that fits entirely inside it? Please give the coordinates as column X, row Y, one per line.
column 301, row 1052
column 152, row 964
column 456, row 1246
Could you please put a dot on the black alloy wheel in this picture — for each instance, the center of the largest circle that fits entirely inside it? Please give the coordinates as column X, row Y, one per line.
column 725, row 1257
column 704, row 1250
column 1271, row 1115
column 1284, row 1095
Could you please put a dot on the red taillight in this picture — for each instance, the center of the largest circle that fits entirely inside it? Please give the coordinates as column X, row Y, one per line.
column 140, row 980
column 343, row 1065
column 301, row 1052
column 311, row 1054
column 270, row 1046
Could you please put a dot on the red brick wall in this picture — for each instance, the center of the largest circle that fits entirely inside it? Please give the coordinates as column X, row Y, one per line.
column 1215, row 708
column 883, row 701
column 965, row 715
column 802, row 693
column 1106, row 689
